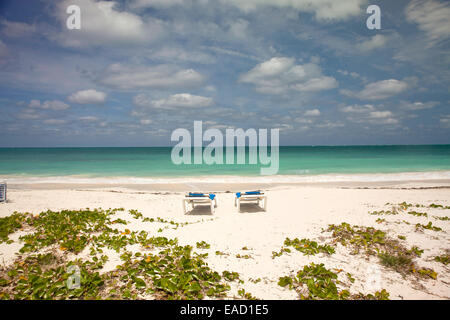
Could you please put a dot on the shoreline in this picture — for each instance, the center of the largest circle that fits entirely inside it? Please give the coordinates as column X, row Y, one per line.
column 429, row 179
column 234, row 187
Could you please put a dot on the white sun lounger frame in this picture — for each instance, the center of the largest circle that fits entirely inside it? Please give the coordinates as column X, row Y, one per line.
column 250, row 198
column 190, row 200
column 3, row 189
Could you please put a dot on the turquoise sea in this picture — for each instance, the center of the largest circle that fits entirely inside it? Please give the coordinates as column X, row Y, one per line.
column 156, row 162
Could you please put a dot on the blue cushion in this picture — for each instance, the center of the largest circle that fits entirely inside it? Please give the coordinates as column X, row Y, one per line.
column 238, row 194
column 196, row 194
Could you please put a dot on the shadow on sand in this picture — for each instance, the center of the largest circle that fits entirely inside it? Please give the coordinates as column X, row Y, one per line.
column 250, row 208
column 200, row 210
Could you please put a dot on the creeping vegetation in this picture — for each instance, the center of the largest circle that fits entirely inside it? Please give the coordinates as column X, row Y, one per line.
column 11, row 224
column 162, row 269
column 405, row 206
column 429, row 226
column 445, row 259
column 418, row 214
column 169, row 223
column 391, row 252
column 230, row 276
column 45, row 276
column 70, row 230
column 433, row 205
column 203, row 245
column 445, row 218
column 358, row 238
column 221, row 253
column 305, row 246
column 257, row 280
column 384, row 212
column 174, row 273
column 246, row 295
column 315, row 282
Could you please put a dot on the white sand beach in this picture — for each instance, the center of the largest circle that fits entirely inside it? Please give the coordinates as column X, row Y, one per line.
column 294, row 211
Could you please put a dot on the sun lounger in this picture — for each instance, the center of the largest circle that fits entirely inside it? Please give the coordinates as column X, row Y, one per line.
column 250, row 196
column 193, row 198
column 3, row 192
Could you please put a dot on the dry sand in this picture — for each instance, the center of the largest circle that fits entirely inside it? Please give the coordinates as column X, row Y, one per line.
column 294, row 211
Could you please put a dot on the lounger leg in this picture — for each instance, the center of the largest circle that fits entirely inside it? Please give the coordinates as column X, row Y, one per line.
column 238, row 204
column 265, row 203
column 212, row 206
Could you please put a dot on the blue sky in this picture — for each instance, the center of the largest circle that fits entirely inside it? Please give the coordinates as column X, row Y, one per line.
column 139, row 69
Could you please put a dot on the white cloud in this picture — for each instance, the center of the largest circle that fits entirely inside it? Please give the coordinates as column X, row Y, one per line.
column 445, row 121
column 368, row 114
column 15, row 29
column 87, row 97
column 390, row 121
column 29, row 114
column 380, row 114
column 56, row 105
column 312, row 113
column 317, row 84
column 269, row 68
column 379, row 90
column 348, row 73
column 145, row 121
column 238, row 29
column 377, row 41
column 34, row 104
column 88, row 119
column 303, row 120
column 279, row 75
column 322, row 9
column 159, row 76
column 175, row 101
column 177, row 53
column 155, row 3
column 4, row 52
column 330, row 125
column 233, row 53
column 432, row 17
column 418, row 105
column 55, row 121
column 103, row 23
column 358, row 108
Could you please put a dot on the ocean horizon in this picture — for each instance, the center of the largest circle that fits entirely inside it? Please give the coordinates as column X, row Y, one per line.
column 296, row 163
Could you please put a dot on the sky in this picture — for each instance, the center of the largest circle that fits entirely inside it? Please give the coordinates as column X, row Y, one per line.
column 139, row 69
